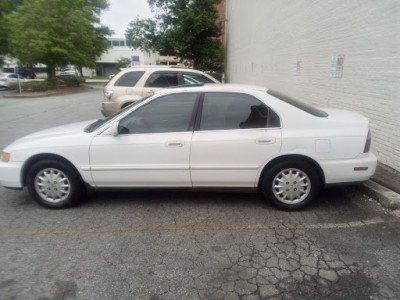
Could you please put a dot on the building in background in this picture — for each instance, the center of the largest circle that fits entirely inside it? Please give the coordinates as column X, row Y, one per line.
column 221, row 8
column 106, row 65
column 343, row 54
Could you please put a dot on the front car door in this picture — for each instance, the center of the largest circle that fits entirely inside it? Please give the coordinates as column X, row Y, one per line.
column 152, row 147
column 235, row 136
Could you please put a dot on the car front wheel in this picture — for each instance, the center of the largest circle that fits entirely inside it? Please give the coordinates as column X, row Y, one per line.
column 291, row 184
column 54, row 184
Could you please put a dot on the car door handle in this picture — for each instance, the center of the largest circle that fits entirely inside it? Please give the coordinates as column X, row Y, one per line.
column 265, row 140
column 175, row 144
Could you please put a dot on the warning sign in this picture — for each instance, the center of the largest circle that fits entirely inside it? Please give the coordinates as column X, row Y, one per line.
column 337, row 66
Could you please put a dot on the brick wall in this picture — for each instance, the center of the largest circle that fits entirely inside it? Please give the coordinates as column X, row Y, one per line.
column 292, row 46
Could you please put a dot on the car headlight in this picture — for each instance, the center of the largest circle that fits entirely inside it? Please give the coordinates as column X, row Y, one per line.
column 4, row 156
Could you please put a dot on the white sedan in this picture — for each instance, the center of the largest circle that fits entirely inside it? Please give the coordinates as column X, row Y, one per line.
column 218, row 136
column 8, row 78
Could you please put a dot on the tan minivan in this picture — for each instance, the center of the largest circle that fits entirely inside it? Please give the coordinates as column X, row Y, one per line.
column 134, row 83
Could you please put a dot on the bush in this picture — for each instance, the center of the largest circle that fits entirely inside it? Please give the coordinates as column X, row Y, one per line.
column 40, row 86
column 32, row 86
column 73, row 81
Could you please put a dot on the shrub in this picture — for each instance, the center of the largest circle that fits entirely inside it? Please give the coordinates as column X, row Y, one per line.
column 39, row 86
column 73, row 81
column 31, row 86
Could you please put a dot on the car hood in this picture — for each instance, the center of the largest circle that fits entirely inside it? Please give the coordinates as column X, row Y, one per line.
column 55, row 132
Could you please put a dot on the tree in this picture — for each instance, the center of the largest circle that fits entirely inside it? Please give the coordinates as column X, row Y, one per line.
column 123, row 62
column 58, row 32
column 6, row 7
column 186, row 28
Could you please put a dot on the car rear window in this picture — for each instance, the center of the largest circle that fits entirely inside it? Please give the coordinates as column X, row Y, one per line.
column 298, row 104
column 192, row 78
column 129, row 78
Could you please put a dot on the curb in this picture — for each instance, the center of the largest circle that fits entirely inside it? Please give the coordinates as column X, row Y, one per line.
column 386, row 197
column 83, row 88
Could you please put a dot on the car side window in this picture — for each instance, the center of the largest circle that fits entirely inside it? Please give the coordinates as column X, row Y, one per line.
column 193, row 78
column 129, row 78
column 162, row 79
column 224, row 111
column 171, row 113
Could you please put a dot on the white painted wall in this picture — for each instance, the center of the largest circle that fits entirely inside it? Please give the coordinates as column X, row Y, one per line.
column 117, row 52
column 267, row 40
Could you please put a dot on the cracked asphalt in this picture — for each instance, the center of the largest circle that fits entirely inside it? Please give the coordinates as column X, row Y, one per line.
column 173, row 244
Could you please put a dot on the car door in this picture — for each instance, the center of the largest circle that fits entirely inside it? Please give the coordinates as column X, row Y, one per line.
column 152, row 147
column 159, row 80
column 235, row 136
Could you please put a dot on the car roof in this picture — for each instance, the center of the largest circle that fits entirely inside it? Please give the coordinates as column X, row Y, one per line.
column 159, row 67
column 210, row 87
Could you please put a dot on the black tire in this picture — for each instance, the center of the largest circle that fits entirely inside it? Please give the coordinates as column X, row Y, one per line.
column 291, row 184
column 54, row 184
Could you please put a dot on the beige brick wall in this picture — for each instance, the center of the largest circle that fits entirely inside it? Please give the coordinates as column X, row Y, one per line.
column 288, row 46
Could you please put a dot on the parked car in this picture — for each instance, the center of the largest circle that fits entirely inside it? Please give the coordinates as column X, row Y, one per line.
column 7, row 78
column 218, row 136
column 26, row 73
column 134, row 83
column 68, row 74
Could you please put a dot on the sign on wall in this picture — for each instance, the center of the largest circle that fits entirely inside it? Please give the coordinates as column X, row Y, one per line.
column 337, row 66
column 297, row 67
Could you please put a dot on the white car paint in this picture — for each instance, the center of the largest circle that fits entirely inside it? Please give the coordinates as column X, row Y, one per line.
column 8, row 78
column 209, row 158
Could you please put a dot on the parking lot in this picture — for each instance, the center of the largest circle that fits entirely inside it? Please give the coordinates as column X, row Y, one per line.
column 171, row 244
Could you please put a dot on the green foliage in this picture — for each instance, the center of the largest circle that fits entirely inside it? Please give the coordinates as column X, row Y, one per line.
column 186, row 28
column 6, row 7
column 39, row 86
column 58, row 32
column 32, row 86
column 123, row 62
column 73, row 81
column 142, row 34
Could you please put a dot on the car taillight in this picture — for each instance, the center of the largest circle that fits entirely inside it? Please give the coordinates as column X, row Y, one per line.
column 107, row 95
column 367, row 142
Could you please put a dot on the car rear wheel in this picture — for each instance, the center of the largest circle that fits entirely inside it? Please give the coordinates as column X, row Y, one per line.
column 291, row 184
column 54, row 184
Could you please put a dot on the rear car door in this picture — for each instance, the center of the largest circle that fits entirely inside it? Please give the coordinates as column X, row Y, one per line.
column 126, row 83
column 235, row 136
column 159, row 80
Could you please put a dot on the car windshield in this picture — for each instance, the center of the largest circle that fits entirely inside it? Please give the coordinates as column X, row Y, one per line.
column 97, row 124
